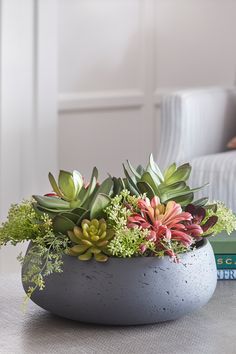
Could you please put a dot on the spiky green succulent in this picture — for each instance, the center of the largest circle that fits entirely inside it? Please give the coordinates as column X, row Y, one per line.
column 90, row 240
column 172, row 185
column 73, row 201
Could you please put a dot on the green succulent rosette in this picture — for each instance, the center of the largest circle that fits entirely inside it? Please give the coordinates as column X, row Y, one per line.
column 90, row 240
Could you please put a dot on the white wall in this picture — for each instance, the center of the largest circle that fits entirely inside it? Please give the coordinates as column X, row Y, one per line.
column 117, row 56
column 195, row 42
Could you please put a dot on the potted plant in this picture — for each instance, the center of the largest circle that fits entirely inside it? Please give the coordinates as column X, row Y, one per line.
column 130, row 250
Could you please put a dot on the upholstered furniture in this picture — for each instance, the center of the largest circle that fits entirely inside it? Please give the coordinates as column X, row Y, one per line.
column 195, row 126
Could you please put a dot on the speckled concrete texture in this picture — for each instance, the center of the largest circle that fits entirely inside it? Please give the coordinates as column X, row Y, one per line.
column 131, row 291
column 211, row 330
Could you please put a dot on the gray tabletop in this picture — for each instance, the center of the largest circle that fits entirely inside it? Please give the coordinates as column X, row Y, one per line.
column 210, row 330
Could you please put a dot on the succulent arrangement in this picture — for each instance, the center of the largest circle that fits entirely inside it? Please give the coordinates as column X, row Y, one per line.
column 146, row 213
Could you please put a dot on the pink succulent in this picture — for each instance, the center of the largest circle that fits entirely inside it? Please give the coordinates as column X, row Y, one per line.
column 199, row 213
column 166, row 223
column 143, row 248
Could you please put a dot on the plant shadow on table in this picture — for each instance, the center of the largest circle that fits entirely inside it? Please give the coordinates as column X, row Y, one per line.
column 49, row 333
column 42, row 328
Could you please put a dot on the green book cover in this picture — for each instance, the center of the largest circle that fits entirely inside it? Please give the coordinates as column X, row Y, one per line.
column 223, row 243
column 225, row 261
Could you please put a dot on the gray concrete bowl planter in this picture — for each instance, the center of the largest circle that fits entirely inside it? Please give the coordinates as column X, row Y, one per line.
column 130, row 291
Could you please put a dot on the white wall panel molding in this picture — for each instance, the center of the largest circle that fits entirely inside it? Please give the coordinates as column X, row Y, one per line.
column 28, row 113
column 28, row 97
column 76, row 102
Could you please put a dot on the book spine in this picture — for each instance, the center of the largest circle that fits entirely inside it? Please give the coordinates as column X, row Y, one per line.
column 226, row 274
column 225, row 261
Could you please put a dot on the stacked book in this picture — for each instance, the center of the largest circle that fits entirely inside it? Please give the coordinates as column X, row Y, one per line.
column 224, row 247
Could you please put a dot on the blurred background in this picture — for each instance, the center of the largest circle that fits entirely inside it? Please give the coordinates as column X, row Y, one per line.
column 82, row 82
